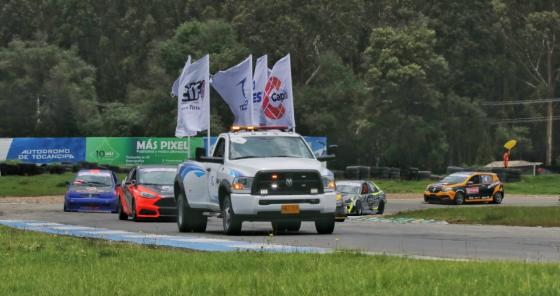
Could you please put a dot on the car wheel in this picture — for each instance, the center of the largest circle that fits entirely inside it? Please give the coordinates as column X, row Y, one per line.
column 66, row 208
column 122, row 214
column 231, row 224
column 426, row 199
column 134, row 214
column 381, row 208
column 497, row 198
column 325, row 225
column 188, row 219
column 459, row 198
column 359, row 210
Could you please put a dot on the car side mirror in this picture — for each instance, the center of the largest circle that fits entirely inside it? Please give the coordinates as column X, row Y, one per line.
column 212, row 159
column 199, row 152
column 326, row 157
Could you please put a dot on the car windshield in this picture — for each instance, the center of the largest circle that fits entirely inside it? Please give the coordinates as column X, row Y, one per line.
column 259, row 147
column 354, row 189
column 93, row 179
column 452, row 179
column 157, row 176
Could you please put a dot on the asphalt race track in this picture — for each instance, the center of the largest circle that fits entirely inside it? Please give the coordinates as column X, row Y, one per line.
column 430, row 239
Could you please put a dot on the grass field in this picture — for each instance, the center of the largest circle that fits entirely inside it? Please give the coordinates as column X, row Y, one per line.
column 54, row 185
column 42, row 264
column 513, row 216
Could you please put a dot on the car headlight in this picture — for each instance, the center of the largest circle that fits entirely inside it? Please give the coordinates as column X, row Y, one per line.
column 147, row 195
column 242, row 185
column 339, row 197
column 328, row 183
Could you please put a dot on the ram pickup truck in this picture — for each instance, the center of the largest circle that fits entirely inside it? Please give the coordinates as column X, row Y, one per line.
column 256, row 175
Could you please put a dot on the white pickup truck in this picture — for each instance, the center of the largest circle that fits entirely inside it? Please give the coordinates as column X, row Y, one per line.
column 256, row 175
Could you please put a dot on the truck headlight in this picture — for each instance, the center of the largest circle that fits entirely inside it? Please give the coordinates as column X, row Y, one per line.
column 329, row 184
column 242, row 185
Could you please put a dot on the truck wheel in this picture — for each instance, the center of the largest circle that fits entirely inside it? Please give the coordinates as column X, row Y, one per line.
column 231, row 224
column 188, row 219
column 497, row 198
column 459, row 198
column 122, row 214
column 325, row 225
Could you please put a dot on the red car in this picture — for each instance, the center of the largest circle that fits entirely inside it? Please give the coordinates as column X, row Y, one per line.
column 147, row 193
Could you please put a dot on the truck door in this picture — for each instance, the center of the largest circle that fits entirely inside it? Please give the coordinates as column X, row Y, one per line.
column 213, row 171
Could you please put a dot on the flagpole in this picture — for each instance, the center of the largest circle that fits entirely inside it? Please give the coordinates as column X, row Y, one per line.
column 189, row 143
column 208, row 141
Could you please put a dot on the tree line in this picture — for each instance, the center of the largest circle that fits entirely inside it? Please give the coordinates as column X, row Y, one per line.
column 393, row 83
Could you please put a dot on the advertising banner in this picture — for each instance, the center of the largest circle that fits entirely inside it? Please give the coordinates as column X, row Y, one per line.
column 141, row 150
column 43, row 150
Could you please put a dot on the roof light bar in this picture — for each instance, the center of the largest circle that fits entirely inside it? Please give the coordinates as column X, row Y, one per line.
column 237, row 128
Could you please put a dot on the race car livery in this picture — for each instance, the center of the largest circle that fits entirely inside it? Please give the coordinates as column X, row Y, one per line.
column 92, row 190
column 466, row 187
column 361, row 196
column 147, row 192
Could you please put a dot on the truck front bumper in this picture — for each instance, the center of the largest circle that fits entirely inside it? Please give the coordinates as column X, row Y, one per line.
column 269, row 207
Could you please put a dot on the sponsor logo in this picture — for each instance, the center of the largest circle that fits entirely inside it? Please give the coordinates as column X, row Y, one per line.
column 274, row 97
column 245, row 103
column 193, row 91
column 289, row 182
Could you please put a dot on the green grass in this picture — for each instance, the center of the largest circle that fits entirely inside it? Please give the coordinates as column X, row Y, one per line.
column 45, row 184
column 513, row 216
column 41, row 264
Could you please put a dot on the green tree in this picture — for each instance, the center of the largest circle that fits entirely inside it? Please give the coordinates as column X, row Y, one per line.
column 45, row 91
column 401, row 119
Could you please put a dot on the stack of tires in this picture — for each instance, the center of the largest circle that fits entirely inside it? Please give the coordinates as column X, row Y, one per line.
column 357, row 172
column 508, row 175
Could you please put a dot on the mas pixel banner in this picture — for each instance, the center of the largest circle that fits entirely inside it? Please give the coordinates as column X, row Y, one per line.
column 45, row 150
column 141, row 150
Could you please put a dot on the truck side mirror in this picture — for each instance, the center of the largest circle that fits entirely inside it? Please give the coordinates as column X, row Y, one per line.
column 199, row 153
column 332, row 149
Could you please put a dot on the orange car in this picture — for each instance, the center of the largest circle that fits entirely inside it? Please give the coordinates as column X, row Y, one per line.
column 466, row 187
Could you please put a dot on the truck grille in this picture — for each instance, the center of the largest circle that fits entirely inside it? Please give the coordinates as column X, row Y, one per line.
column 287, row 183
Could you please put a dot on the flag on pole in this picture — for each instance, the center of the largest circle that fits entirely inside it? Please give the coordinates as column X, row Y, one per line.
column 259, row 82
column 235, row 87
column 278, row 99
column 175, row 87
column 194, row 98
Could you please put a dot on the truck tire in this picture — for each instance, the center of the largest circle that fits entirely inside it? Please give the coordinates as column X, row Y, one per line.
column 232, row 225
column 325, row 225
column 189, row 220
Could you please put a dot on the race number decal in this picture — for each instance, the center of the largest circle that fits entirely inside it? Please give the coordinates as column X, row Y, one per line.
column 472, row 190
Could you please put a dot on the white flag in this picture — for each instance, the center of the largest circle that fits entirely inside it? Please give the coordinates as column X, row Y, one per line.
column 235, row 86
column 175, row 87
column 259, row 82
column 194, row 98
column 278, row 99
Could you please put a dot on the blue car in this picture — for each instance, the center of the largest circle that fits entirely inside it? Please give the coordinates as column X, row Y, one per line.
column 92, row 191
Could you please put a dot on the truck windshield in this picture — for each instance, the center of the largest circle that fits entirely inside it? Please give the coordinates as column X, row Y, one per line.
column 260, row 147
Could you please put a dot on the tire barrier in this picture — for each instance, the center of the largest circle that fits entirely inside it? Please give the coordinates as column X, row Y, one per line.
column 508, row 175
column 424, row 175
column 357, row 172
column 409, row 174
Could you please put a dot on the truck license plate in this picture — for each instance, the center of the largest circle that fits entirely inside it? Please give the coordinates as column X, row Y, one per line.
column 290, row 209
